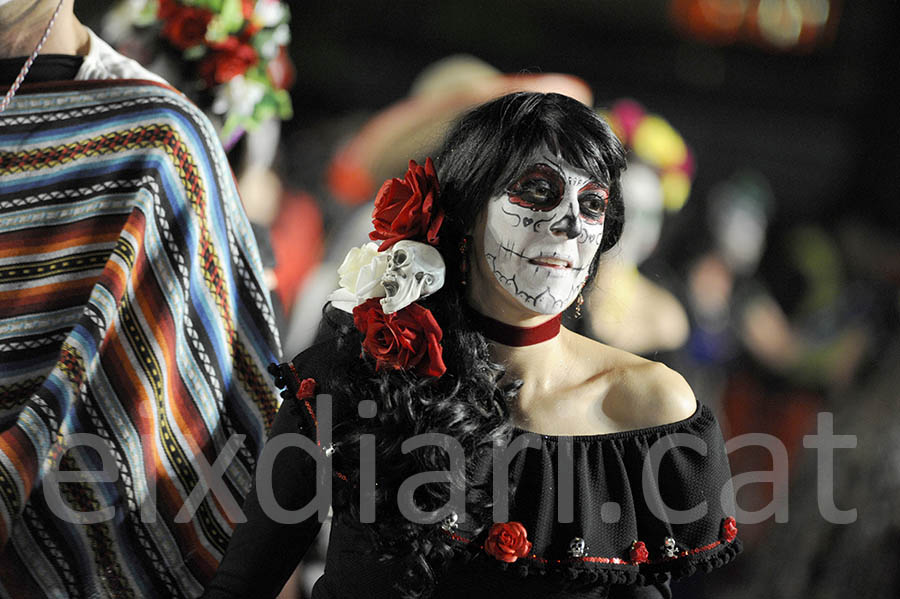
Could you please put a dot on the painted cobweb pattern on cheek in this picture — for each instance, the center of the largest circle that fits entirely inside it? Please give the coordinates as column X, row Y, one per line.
column 542, row 296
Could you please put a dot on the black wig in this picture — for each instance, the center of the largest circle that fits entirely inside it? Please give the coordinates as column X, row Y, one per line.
column 482, row 153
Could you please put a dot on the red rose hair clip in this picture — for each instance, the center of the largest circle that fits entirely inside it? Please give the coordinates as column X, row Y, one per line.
column 409, row 339
column 406, row 209
column 379, row 285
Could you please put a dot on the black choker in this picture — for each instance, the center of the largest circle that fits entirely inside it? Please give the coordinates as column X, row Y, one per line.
column 514, row 336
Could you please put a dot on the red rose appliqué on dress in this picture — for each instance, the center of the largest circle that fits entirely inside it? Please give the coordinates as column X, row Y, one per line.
column 409, row 339
column 406, row 209
column 507, row 541
column 729, row 530
column 639, row 553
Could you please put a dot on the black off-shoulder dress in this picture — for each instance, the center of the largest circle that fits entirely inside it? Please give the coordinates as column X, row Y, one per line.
column 615, row 539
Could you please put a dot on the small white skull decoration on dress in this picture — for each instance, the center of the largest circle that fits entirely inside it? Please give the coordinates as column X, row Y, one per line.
column 576, row 547
column 450, row 522
column 543, row 232
column 414, row 270
column 669, row 548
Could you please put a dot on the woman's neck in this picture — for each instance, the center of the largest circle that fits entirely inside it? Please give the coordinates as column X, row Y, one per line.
column 522, row 342
column 514, row 335
column 22, row 25
column 533, row 364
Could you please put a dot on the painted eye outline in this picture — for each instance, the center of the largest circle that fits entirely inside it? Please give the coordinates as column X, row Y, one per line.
column 539, row 173
column 590, row 193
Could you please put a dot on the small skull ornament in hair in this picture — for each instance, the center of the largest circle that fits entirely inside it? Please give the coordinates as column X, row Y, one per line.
column 543, row 232
column 414, row 270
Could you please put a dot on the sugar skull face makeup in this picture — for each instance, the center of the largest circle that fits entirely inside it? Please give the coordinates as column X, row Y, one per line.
column 543, row 232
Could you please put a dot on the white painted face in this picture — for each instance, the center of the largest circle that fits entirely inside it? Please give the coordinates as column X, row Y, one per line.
column 543, row 232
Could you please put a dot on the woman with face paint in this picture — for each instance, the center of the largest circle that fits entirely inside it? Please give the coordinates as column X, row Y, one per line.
column 536, row 243
column 522, row 460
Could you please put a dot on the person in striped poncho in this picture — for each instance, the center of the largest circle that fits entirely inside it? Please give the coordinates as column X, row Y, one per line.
column 135, row 326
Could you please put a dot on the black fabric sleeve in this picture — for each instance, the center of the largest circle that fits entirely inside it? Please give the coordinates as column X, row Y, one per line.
column 263, row 553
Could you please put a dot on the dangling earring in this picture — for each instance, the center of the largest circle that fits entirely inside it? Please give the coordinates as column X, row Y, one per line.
column 578, row 301
column 463, row 260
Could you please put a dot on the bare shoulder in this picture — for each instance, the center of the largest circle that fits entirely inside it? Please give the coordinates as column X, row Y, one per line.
column 664, row 393
column 640, row 392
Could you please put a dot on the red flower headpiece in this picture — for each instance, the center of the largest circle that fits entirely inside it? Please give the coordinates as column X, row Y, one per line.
column 408, row 338
column 237, row 50
column 406, row 209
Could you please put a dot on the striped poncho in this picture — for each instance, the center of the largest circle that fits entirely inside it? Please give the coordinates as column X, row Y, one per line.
column 135, row 330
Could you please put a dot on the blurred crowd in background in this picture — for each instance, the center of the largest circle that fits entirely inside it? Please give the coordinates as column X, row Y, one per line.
column 761, row 254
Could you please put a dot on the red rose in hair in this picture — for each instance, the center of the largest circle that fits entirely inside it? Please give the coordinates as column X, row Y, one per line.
column 228, row 59
column 639, row 553
column 406, row 209
column 409, row 339
column 247, row 8
column 184, row 26
column 729, row 529
column 507, row 541
column 166, row 8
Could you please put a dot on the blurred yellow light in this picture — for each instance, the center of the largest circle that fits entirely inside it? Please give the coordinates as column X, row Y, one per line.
column 658, row 143
column 780, row 21
column 676, row 186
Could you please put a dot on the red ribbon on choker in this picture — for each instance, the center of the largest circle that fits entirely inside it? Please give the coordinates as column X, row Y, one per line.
column 514, row 336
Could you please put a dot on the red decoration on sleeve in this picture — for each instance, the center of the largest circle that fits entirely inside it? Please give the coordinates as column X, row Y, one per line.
column 406, row 209
column 507, row 541
column 307, row 389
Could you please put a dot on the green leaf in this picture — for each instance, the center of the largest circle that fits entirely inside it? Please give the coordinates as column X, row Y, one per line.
column 283, row 99
column 232, row 14
column 212, row 5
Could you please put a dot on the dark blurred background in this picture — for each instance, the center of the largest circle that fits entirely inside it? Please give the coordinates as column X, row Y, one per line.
column 817, row 119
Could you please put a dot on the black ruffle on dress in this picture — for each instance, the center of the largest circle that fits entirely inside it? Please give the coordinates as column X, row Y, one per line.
column 613, row 539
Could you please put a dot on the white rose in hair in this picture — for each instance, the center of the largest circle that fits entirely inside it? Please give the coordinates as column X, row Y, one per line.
column 360, row 277
column 361, row 271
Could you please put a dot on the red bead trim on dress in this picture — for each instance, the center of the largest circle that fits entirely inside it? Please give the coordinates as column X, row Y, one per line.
column 312, row 414
column 306, row 388
column 457, row 537
column 602, row 560
column 294, row 370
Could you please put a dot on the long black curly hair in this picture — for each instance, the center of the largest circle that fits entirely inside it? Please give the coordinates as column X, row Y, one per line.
column 483, row 151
